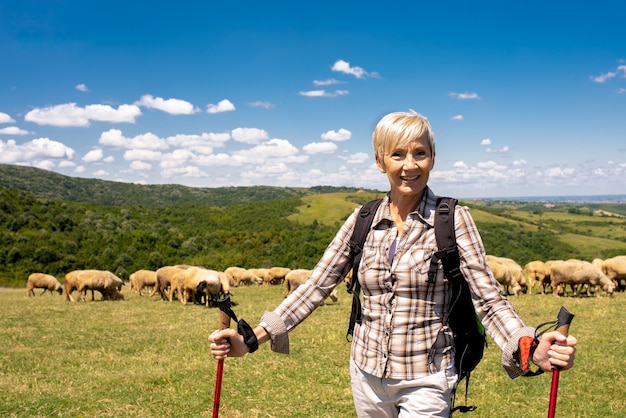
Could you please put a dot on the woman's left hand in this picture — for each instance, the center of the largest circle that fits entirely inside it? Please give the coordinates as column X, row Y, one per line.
column 555, row 350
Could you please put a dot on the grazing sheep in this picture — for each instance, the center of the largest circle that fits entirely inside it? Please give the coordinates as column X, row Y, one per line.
column 163, row 280
column 70, row 284
column 576, row 273
column 505, row 273
column 177, row 283
column 43, row 281
column 277, row 275
column 140, row 279
column 295, row 278
column 239, row 275
column 103, row 281
column 615, row 269
column 263, row 274
column 198, row 281
column 536, row 272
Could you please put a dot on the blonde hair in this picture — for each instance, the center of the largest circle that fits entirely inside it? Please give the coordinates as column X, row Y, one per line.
column 398, row 129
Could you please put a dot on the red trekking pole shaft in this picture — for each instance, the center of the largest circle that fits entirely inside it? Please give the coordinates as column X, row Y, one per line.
column 224, row 323
column 564, row 320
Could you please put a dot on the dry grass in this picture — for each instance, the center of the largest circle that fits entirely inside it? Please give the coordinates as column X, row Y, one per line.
column 148, row 358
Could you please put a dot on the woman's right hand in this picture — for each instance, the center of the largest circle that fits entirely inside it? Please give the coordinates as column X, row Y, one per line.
column 227, row 343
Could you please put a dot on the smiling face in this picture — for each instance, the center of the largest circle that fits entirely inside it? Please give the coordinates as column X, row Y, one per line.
column 404, row 149
column 407, row 167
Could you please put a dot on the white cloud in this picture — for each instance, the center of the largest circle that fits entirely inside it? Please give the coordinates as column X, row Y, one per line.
column 222, row 106
column 204, row 143
column 356, row 158
column 81, row 87
column 264, row 105
column 320, row 148
column 344, row 67
column 142, row 154
column 249, row 135
column 502, row 150
column 140, row 165
column 114, row 138
column 44, row 164
column 465, row 96
column 66, row 163
column 485, row 141
column 93, row 156
column 13, row 130
column 171, row 106
column 602, row 78
column 272, row 149
column 520, row 163
column 559, row 172
column 460, row 164
column 40, row 148
column 340, row 135
column 323, row 93
column 69, row 114
column 457, row 117
column 4, row 118
column 79, row 169
column 188, row 171
column 100, row 173
column 328, row 82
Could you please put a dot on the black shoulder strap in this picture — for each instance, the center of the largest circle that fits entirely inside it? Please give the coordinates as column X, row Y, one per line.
column 362, row 227
column 445, row 236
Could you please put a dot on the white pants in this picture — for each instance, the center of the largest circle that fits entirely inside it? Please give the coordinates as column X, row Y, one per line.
column 429, row 396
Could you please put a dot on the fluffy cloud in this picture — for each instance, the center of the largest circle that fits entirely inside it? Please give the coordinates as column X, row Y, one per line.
column 465, row 96
column 344, row 67
column 320, row 148
column 40, row 148
column 323, row 93
column 340, row 135
column 13, row 130
column 222, row 106
column 171, row 106
column 249, row 135
column 69, row 114
column 4, row 118
column 93, row 155
column 114, row 138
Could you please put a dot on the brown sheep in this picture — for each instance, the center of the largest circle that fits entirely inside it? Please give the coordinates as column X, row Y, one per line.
column 239, row 275
column 536, row 272
column 177, row 284
column 576, row 273
column 505, row 274
column 43, row 281
column 200, row 281
column 163, row 279
column 140, row 279
column 263, row 274
column 70, row 284
column 295, row 278
column 105, row 282
column 277, row 275
column 615, row 269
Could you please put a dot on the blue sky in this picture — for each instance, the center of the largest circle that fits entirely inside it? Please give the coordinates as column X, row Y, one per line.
column 525, row 99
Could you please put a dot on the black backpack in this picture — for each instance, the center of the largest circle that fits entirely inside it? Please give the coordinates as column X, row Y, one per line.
column 469, row 333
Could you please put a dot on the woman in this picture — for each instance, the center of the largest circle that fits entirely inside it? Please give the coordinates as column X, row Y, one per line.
column 402, row 356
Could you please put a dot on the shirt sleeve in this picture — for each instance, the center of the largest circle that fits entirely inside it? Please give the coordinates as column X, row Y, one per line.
column 495, row 311
column 329, row 271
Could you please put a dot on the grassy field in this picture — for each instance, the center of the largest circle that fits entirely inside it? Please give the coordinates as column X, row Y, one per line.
column 144, row 357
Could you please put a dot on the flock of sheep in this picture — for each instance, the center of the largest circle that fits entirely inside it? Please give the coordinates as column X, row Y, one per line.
column 203, row 286
column 185, row 283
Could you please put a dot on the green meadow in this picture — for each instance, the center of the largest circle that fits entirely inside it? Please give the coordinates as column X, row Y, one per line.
column 144, row 357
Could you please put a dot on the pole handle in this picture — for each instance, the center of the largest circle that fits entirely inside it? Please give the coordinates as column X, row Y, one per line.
column 564, row 319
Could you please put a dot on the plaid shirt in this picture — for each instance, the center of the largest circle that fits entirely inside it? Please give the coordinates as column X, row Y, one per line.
column 402, row 335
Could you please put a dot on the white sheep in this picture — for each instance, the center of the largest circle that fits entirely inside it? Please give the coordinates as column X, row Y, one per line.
column 296, row 277
column 536, row 272
column 615, row 269
column 43, row 281
column 163, row 280
column 103, row 281
column 140, row 279
column 277, row 275
column 199, row 281
column 505, row 273
column 577, row 273
column 239, row 275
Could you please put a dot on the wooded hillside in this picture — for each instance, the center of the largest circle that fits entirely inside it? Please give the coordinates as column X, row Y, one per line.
column 273, row 227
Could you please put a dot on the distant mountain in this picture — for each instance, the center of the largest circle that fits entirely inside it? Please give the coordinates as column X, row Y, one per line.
column 48, row 184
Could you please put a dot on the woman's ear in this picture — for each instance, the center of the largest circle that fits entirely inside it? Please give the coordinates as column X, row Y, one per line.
column 380, row 165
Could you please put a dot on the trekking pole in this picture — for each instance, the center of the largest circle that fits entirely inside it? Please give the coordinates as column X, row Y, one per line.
column 564, row 320
column 224, row 305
